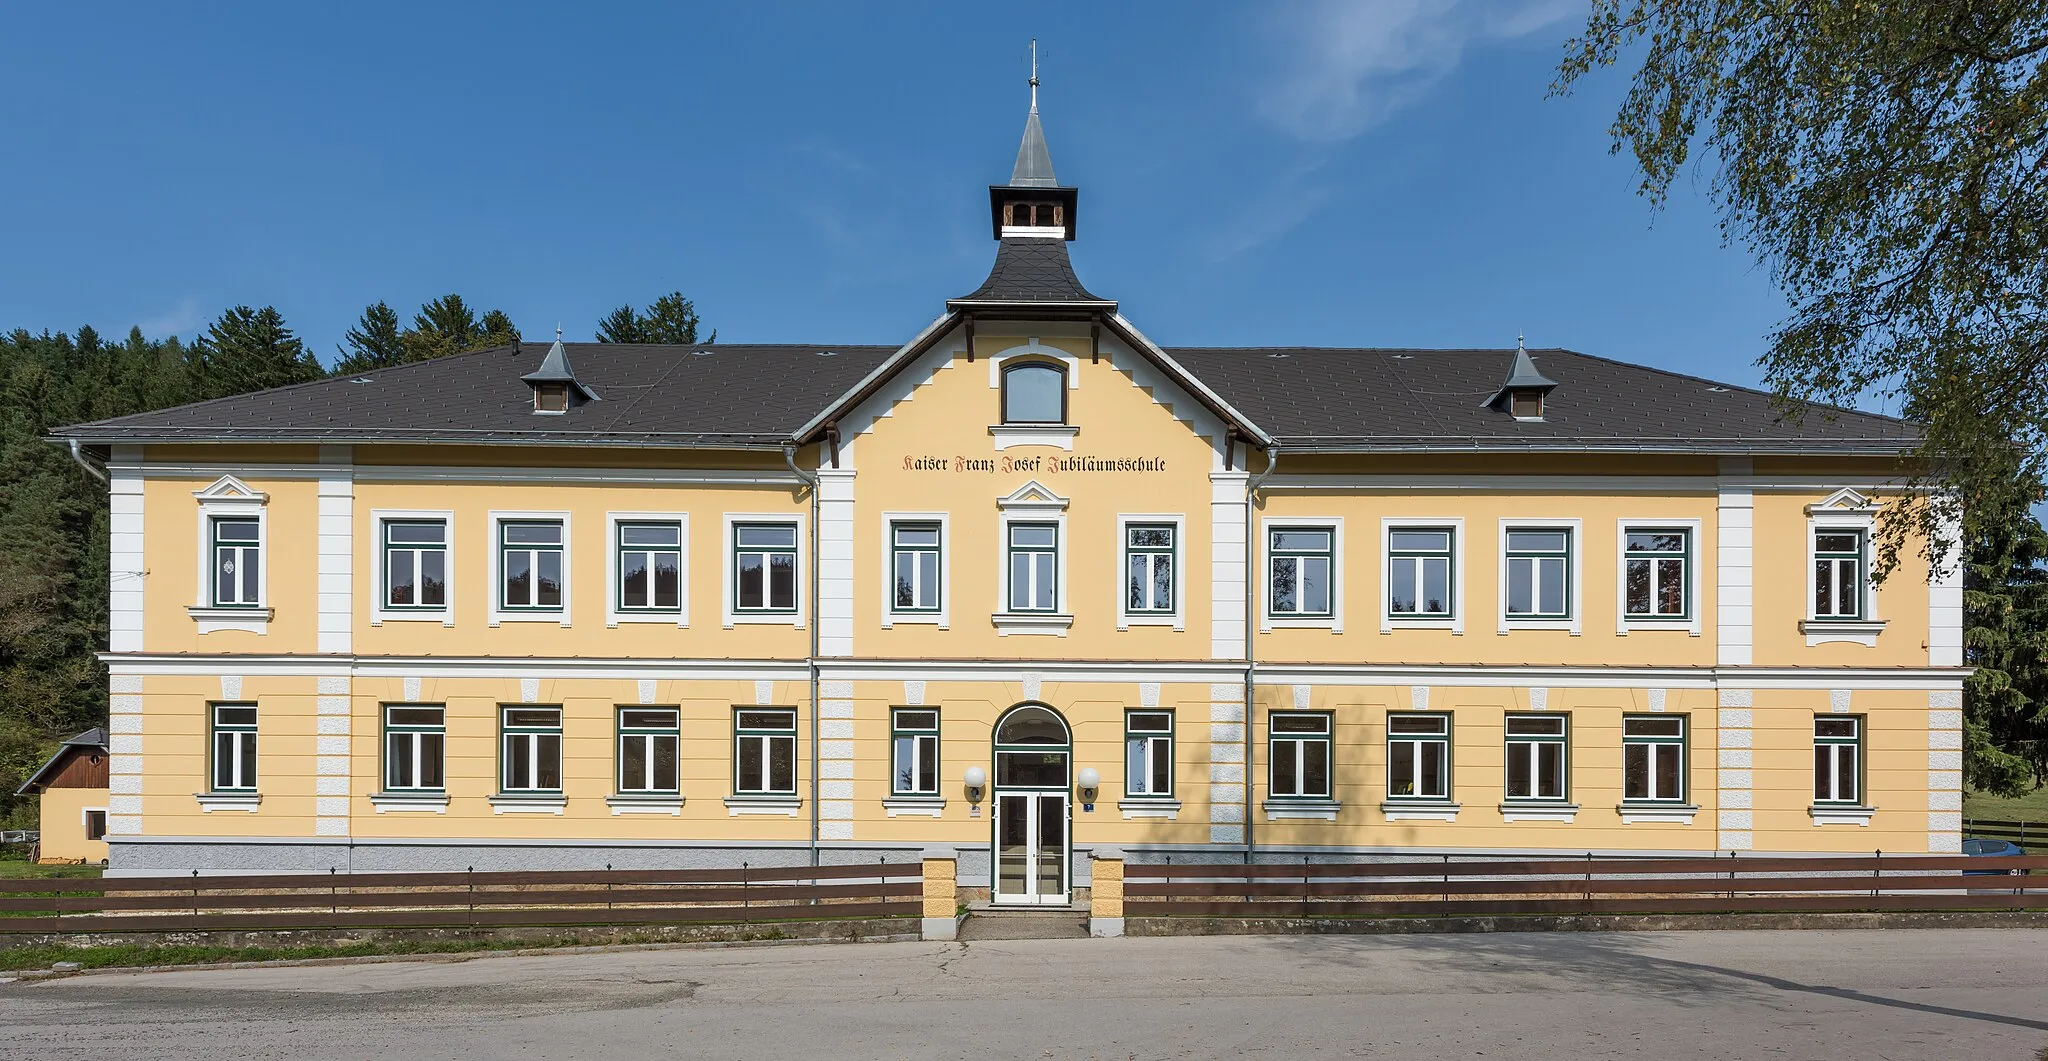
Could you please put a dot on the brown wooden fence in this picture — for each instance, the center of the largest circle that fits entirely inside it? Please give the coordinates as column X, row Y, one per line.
column 2030, row 835
column 1586, row 886
column 463, row 899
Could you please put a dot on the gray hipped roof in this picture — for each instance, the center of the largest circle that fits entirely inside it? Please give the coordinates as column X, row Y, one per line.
column 760, row 395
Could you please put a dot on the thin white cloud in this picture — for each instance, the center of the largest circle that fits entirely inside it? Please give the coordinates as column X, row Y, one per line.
column 1346, row 65
column 180, row 321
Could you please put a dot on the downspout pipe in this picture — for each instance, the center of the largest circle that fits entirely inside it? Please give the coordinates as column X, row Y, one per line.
column 811, row 480
column 78, row 457
column 1252, row 589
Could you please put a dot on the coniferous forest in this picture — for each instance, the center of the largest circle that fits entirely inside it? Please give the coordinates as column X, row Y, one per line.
column 53, row 514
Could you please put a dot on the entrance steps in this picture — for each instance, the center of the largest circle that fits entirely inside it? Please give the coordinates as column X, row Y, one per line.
column 1044, row 922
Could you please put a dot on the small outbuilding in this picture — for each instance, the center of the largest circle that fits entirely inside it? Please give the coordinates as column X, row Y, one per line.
column 73, row 787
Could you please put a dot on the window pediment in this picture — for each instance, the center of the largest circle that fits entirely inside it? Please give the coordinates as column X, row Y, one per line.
column 1032, row 497
column 1844, row 502
column 229, row 488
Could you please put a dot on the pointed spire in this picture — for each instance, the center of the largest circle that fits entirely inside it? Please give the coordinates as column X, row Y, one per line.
column 554, row 371
column 1034, row 162
column 1522, row 376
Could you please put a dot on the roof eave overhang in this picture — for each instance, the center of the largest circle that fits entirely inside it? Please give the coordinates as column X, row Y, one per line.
column 767, row 444
column 873, row 381
column 1032, row 311
column 1129, row 333
column 1733, row 448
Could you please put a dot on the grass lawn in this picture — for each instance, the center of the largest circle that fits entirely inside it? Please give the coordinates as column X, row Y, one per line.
column 2030, row 808
column 17, row 868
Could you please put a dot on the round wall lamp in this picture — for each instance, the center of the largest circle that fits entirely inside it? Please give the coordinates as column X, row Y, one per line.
column 1091, row 785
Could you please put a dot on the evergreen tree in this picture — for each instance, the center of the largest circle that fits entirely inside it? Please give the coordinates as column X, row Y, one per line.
column 671, row 319
column 2005, row 703
column 496, row 330
column 448, row 326
column 248, row 350
column 375, row 342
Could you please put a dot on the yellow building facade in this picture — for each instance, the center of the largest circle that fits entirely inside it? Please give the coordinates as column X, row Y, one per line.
column 1025, row 588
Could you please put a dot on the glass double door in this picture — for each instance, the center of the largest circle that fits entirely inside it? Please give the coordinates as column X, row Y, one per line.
column 1031, row 848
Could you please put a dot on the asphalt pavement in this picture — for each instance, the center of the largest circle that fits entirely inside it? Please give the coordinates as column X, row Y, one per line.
column 1953, row 995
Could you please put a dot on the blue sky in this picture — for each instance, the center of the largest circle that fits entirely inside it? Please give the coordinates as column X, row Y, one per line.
column 1384, row 173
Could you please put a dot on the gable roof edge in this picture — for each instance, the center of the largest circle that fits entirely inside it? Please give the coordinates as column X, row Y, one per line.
column 871, row 382
column 1129, row 333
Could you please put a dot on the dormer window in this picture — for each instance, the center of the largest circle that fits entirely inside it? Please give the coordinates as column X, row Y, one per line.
column 551, row 398
column 555, row 387
column 1034, row 392
column 1521, row 395
column 1526, row 404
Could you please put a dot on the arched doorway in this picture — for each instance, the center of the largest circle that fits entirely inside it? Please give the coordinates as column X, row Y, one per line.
column 1034, row 753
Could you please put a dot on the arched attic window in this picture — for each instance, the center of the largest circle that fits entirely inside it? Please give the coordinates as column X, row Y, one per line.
column 1034, row 392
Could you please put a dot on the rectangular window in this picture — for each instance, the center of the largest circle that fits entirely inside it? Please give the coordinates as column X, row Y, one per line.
column 532, row 757
column 1655, row 573
column 1034, row 567
column 416, row 563
column 1419, row 572
column 649, row 751
column 1536, row 757
column 234, row 747
column 1300, row 755
column 914, row 739
column 1837, row 759
column 1301, row 561
column 237, row 560
column 764, row 565
column 1838, row 574
column 914, row 558
column 650, row 567
column 1539, row 573
column 764, row 752
column 530, row 564
column 95, row 825
column 1419, row 756
column 1148, row 754
column 1148, row 568
column 1653, row 758
column 415, row 748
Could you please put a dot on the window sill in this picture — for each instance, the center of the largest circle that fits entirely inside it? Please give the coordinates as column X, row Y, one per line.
column 1420, row 810
column 1030, row 623
column 1322, row 622
column 1059, row 435
column 1645, row 624
column 1130, row 619
column 525, row 803
column 253, row 620
column 646, row 803
column 1849, row 631
column 738, row 805
column 1567, row 624
column 1535, row 811
column 930, row 806
column 444, row 616
column 790, row 618
column 1391, row 623
column 937, row 618
column 1149, row 807
column 410, row 802
column 559, row 618
column 1309, row 809
column 1841, row 814
column 241, row 801
column 1657, row 813
column 676, row 619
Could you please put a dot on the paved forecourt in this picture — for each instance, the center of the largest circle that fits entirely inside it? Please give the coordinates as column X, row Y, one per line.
column 1980, row 994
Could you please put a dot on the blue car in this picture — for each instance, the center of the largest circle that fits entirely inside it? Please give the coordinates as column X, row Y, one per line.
column 1991, row 849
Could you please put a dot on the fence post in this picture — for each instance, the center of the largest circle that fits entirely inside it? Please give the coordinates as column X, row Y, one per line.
column 333, row 891
column 1589, row 877
column 471, row 879
column 1876, row 872
column 1731, row 876
column 1447, row 878
column 607, row 887
column 1106, row 892
column 195, row 893
column 746, row 912
column 940, row 895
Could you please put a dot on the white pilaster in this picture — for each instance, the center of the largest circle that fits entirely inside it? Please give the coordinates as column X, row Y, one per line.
column 835, row 760
column 1945, row 598
column 331, row 780
column 126, row 568
column 337, row 549
column 124, row 770
column 1945, row 771
column 1227, row 782
column 835, row 561
column 1229, row 564
column 1733, row 551
column 1734, row 771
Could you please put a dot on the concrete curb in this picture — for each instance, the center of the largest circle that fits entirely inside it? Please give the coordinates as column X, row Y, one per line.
column 450, row 956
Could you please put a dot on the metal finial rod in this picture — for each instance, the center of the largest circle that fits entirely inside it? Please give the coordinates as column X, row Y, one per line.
column 1034, row 75
column 558, row 331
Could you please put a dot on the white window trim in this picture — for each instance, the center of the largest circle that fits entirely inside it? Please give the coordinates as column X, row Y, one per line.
column 1268, row 622
column 1032, row 350
column 1694, row 571
column 1389, row 622
column 230, row 497
column 1575, row 563
column 379, row 614
column 943, row 618
column 1032, row 503
column 1177, row 618
column 498, row 613
column 1863, row 518
column 729, row 617
column 613, row 614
